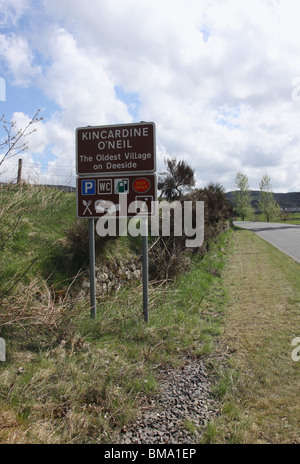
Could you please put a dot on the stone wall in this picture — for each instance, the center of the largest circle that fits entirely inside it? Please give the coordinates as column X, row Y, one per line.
column 112, row 274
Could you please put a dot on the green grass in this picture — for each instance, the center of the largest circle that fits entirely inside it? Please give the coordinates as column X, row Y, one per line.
column 259, row 383
column 35, row 225
column 32, row 228
column 81, row 382
column 71, row 379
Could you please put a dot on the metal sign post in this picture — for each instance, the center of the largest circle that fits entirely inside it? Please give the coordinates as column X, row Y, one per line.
column 145, row 269
column 92, row 268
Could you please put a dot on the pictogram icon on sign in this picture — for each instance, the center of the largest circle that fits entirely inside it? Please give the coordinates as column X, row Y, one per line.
column 105, row 187
column 87, row 204
column 121, row 185
column 143, row 204
column 141, row 185
column 104, row 206
column 88, row 187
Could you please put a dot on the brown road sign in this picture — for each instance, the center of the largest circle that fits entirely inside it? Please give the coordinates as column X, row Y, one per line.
column 123, row 148
column 121, row 196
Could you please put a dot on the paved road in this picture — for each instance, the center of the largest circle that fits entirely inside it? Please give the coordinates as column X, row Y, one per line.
column 285, row 237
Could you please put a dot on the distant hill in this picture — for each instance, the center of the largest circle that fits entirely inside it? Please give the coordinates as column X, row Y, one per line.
column 289, row 201
column 64, row 188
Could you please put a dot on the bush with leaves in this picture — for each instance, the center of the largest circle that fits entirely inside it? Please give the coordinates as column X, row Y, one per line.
column 169, row 255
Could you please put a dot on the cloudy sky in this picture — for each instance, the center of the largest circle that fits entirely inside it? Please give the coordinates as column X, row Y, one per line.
column 220, row 79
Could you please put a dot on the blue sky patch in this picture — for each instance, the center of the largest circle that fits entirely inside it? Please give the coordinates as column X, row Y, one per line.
column 26, row 100
column 132, row 101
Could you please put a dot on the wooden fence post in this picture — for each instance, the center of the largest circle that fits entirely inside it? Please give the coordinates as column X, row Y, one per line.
column 20, row 171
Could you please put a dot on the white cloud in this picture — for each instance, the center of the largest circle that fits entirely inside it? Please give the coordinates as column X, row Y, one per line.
column 80, row 84
column 215, row 76
column 12, row 11
column 19, row 59
column 36, row 135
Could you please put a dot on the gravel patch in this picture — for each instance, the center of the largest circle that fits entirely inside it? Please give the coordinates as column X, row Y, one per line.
column 180, row 410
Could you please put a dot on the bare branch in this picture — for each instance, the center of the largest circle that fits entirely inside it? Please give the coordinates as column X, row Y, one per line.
column 14, row 143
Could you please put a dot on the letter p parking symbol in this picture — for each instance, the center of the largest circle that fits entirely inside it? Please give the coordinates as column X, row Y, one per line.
column 88, row 187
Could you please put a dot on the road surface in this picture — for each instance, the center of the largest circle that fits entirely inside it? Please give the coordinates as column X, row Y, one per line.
column 285, row 237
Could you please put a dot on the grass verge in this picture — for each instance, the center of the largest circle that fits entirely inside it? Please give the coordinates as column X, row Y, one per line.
column 86, row 386
column 260, row 388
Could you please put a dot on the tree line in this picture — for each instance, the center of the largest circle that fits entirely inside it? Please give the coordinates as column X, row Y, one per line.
column 179, row 179
column 266, row 204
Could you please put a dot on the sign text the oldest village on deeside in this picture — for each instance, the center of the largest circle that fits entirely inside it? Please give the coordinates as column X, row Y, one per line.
column 116, row 149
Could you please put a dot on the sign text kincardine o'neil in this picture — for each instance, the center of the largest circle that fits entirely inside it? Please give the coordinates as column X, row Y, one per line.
column 120, row 148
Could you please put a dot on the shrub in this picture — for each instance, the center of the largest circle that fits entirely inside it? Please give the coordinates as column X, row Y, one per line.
column 169, row 255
